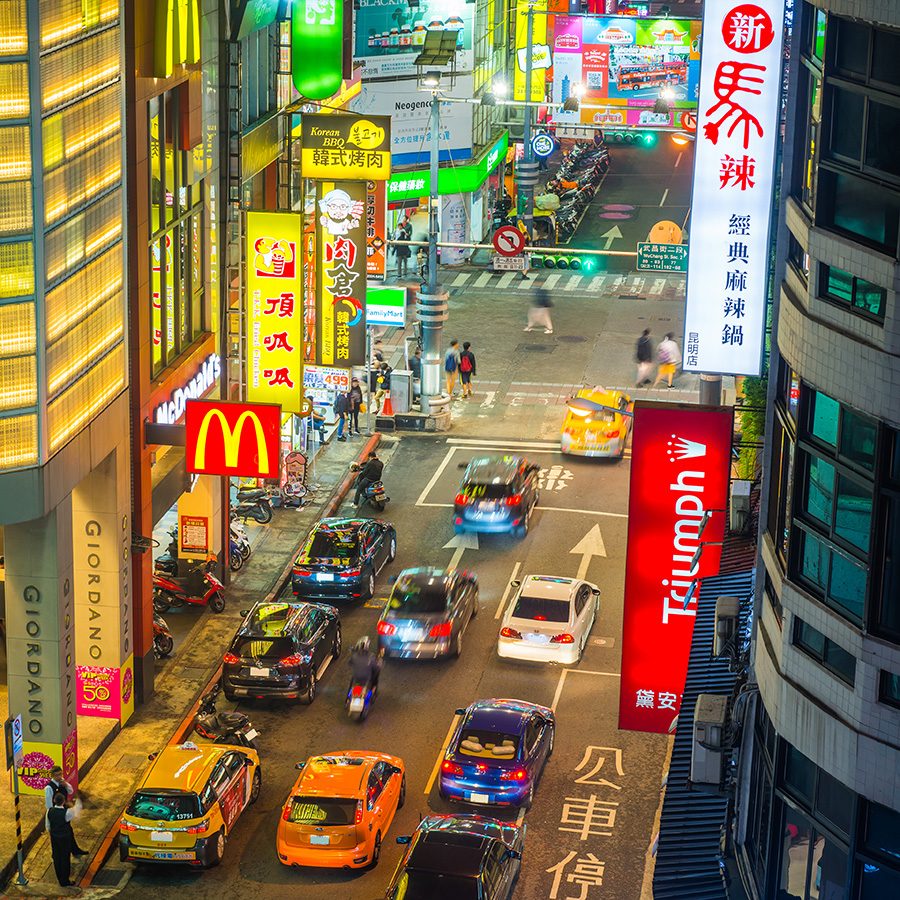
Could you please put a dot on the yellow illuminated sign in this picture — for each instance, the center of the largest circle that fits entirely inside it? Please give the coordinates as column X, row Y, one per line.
column 231, row 439
column 538, row 49
column 177, row 35
column 346, row 148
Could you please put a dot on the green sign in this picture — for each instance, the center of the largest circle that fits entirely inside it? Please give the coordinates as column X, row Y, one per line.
column 385, row 306
column 662, row 257
column 451, row 180
column 317, row 47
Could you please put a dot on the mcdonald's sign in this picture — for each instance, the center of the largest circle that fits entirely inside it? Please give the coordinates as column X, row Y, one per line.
column 223, row 438
column 176, row 35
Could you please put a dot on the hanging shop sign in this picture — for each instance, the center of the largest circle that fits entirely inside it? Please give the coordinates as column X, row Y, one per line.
column 253, row 15
column 733, row 188
column 223, row 438
column 274, row 310
column 346, row 147
column 538, row 42
column 176, row 36
column 680, row 466
column 340, row 273
column 326, row 378
column 376, row 229
column 386, row 306
column 543, row 145
column 317, row 47
column 206, row 376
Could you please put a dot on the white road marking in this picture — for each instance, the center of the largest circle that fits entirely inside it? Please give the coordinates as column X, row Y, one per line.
column 665, row 194
column 483, row 279
column 440, row 758
column 551, row 280
column 525, row 283
column 562, row 681
column 488, row 401
column 488, row 443
column 597, row 283
column 506, row 279
column 460, row 543
column 658, row 286
column 461, row 279
column 589, row 546
column 437, row 474
column 677, row 158
column 573, row 282
column 506, row 591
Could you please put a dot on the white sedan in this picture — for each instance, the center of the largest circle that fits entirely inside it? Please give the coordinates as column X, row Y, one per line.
column 549, row 620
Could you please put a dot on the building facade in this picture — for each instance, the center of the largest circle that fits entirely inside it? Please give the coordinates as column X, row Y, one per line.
column 819, row 800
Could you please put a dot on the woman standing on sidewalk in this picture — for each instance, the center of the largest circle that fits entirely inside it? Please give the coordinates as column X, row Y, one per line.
column 356, row 398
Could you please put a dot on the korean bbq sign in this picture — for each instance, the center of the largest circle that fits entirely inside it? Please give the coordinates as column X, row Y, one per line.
column 223, row 438
column 680, row 468
column 740, row 88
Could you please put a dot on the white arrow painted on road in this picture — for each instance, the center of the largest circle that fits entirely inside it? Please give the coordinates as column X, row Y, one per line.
column 460, row 543
column 488, row 401
column 611, row 235
column 589, row 546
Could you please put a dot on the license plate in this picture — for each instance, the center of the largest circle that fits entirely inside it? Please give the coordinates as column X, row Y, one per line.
column 480, row 798
column 325, row 576
column 259, row 673
column 537, row 638
column 161, row 836
column 411, row 634
column 319, row 839
column 187, row 854
column 356, row 704
column 252, row 733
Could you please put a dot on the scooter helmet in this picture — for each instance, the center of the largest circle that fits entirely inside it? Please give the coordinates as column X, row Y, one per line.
column 362, row 645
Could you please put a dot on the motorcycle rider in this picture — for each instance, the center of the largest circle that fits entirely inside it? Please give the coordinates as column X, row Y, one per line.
column 369, row 473
column 365, row 666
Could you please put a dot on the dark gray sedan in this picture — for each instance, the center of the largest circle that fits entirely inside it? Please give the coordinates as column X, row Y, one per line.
column 427, row 613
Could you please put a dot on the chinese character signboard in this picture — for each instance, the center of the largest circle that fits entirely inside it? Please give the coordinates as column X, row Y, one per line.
column 731, row 205
column 317, row 38
column 346, row 147
column 540, row 59
column 680, row 467
column 274, row 310
column 193, row 535
column 340, row 273
column 661, row 257
column 376, row 229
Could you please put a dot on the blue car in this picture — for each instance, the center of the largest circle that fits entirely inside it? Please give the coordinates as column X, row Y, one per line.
column 498, row 495
column 497, row 753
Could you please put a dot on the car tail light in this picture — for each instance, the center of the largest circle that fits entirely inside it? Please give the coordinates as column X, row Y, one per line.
column 231, row 659
column 440, row 631
column 513, row 775
column 286, row 812
column 304, row 573
column 451, row 768
column 612, row 434
column 457, row 521
column 562, row 639
column 511, row 633
column 295, row 659
column 359, row 811
column 385, row 628
column 202, row 828
column 350, row 573
column 515, row 500
column 461, row 500
column 356, row 690
column 125, row 825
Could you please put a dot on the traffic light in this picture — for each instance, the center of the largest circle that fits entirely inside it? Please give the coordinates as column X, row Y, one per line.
column 574, row 261
column 642, row 138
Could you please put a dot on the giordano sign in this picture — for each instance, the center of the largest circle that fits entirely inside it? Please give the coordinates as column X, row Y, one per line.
column 176, row 39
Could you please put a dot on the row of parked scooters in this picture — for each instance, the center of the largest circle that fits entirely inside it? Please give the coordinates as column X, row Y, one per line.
column 576, row 182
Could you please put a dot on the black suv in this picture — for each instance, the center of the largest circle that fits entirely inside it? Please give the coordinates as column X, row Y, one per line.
column 281, row 650
column 497, row 494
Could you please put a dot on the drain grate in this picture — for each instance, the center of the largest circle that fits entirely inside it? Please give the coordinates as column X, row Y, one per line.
column 109, row 877
column 535, row 348
column 571, row 338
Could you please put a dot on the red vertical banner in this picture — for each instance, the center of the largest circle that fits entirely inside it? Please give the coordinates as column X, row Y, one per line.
column 680, row 468
column 376, row 229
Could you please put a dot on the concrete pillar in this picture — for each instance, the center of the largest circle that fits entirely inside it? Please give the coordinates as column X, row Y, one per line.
column 40, row 642
column 710, row 390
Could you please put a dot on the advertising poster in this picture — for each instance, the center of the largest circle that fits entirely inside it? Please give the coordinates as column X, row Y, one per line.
column 346, row 147
column 625, row 62
column 40, row 757
column 541, row 56
column 193, row 535
column 376, row 229
column 274, row 310
column 340, row 273
column 680, row 468
column 390, row 34
column 98, row 691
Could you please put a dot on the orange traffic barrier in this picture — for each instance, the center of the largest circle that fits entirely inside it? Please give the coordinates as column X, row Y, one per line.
column 388, row 408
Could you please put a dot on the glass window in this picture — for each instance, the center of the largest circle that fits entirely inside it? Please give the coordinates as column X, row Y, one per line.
column 810, row 157
column 814, row 564
column 869, row 298
column 825, row 651
column 878, row 882
column 858, row 437
column 887, row 616
column 882, row 128
column 820, row 489
column 895, row 457
column 825, row 418
column 799, row 773
column 828, row 870
column 853, row 512
column 818, row 48
column 886, row 58
column 866, row 210
column 882, row 831
column 846, row 587
column 847, row 124
column 834, row 802
column 852, row 47
column 857, row 293
column 889, row 692
column 798, row 257
column 837, row 284
column 797, row 833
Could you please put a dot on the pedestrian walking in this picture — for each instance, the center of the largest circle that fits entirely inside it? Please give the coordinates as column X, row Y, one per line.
column 539, row 312
column 415, row 366
column 382, row 385
column 403, row 251
column 451, row 366
column 58, row 785
column 62, row 838
column 355, row 397
column 644, row 355
column 668, row 355
column 466, row 368
column 341, row 408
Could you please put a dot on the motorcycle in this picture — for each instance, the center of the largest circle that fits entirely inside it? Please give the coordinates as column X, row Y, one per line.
column 167, row 563
column 235, row 558
column 239, row 546
column 169, row 594
column 253, row 504
column 360, row 695
column 163, row 642
column 223, row 727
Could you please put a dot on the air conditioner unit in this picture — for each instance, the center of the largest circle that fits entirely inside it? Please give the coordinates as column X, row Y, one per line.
column 739, row 508
column 727, row 611
column 709, row 729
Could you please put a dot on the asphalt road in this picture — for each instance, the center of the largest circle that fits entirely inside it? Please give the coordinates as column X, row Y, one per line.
column 415, row 709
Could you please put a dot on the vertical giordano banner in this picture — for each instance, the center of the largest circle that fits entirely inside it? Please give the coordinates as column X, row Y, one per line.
column 540, row 50
column 340, row 273
column 274, row 311
column 317, row 47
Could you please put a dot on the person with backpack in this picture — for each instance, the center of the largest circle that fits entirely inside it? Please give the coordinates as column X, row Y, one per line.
column 643, row 353
column 382, row 386
column 466, row 368
column 451, row 366
column 668, row 356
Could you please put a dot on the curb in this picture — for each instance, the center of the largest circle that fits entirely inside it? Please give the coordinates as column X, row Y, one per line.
column 184, row 727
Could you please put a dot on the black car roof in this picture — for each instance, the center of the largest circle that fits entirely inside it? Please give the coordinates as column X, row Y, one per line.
column 450, row 853
column 487, row 468
column 253, row 626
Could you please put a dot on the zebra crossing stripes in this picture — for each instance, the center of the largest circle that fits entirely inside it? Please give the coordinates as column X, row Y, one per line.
column 550, row 281
column 483, row 279
column 573, row 282
column 506, row 279
column 461, row 279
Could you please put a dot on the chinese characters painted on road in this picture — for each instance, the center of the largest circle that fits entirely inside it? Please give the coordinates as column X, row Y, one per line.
column 731, row 206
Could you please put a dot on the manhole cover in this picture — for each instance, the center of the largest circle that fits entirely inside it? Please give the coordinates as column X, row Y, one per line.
column 572, row 338
column 535, row 348
column 108, row 877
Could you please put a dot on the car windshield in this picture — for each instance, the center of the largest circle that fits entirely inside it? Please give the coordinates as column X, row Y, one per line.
column 475, row 490
column 270, row 619
column 264, row 648
column 415, row 885
column 488, row 744
column 419, row 596
column 541, row 609
column 334, row 544
column 164, row 806
column 322, row 811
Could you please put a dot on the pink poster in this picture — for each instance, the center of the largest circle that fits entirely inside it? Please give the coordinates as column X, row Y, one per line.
column 98, row 691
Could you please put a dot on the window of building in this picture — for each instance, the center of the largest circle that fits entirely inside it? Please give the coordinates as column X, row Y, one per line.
column 881, row 831
column 781, row 491
column 846, row 124
column 798, row 257
column 825, row 412
column 845, row 289
column 886, row 618
column 774, row 602
column 852, row 47
column 810, row 113
column 827, row 572
column 886, row 58
column 889, row 688
column 825, row 651
column 814, row 865
column 858, row 439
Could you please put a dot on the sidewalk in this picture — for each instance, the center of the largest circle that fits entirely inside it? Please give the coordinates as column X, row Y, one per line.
column 109, row 779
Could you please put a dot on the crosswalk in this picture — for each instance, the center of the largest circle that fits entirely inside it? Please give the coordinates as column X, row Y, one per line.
column 660, row 287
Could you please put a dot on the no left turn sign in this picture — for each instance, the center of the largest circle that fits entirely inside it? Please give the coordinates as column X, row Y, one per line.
column 508, row 240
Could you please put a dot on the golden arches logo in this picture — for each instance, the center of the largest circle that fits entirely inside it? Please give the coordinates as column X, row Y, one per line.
column 231, row 439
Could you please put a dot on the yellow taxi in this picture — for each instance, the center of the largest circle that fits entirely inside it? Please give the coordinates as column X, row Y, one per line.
column 597, row 423
column 339, row 809
column 184, row 809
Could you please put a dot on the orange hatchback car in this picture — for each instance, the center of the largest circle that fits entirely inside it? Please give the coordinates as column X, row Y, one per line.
column 340, row 809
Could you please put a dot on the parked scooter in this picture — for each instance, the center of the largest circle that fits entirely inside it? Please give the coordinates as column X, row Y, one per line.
column 163, row 642
column 223, row 727
column 254, row 504
column 239, row 545
column 171, row 594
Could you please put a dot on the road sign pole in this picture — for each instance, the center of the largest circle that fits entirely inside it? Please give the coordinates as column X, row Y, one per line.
column 19, row 858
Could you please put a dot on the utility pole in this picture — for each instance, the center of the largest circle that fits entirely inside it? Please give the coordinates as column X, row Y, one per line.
column 527, row 170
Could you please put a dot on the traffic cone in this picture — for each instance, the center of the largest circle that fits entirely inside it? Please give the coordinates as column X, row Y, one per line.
column 388, row 408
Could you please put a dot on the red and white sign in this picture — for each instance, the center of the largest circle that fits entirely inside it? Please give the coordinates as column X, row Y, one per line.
column 508, row 240
column 731, row 200
column 680, row 466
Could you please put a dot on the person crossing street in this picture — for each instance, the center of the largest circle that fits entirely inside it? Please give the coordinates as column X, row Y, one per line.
column 466, row 368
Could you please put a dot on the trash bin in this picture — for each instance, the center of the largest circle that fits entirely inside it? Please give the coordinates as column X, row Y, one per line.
column 401, row 390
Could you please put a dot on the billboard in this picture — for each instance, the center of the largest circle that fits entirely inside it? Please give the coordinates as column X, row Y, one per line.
column 733, row 188
column 376, row 229
column 541, row 58
column 274, row 310
column 346, row 147
column 680, row 467
column 341, row 273
column 224, row 438
column 625, row 62
column 390, row 34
